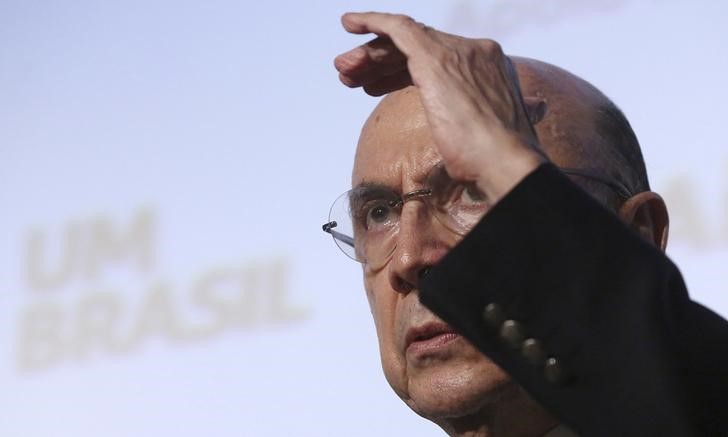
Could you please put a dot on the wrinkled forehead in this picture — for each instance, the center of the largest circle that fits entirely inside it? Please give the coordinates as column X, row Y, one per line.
column 395, row 145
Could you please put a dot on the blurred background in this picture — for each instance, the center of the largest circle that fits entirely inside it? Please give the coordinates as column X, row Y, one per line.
column 165, row 168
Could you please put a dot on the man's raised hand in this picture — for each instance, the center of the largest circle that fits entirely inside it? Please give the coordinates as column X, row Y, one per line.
column 469, row 90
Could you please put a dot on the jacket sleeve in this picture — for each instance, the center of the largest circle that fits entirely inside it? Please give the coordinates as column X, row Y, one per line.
column 591, row 320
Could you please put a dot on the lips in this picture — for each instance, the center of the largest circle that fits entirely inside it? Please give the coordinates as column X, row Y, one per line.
column 429, row 338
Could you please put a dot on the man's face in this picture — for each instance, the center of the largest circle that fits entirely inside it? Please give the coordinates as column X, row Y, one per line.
column 435, row 371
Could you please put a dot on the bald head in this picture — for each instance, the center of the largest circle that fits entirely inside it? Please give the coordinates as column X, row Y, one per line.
column 577, row 126
column 581, row 127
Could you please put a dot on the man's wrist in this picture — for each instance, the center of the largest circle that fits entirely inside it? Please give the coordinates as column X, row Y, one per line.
column 514, row 159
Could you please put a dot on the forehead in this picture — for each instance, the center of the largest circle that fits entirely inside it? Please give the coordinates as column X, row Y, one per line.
column 395, row 146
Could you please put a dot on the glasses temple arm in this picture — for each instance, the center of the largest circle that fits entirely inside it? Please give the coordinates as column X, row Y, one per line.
column 329, row 228
column 615, row 185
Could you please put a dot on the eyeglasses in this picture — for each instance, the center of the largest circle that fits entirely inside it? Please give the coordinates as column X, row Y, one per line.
column 364, row 222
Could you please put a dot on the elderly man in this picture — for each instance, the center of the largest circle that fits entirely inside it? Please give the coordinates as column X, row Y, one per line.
column 587, row 316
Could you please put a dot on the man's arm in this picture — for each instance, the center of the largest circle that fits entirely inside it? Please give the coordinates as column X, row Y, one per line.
column 591, row 320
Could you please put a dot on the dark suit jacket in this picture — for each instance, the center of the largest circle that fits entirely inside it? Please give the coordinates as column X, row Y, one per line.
column 615, row 347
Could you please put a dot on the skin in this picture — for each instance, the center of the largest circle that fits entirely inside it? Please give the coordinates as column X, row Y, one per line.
column 458, row 387
column 491, row 121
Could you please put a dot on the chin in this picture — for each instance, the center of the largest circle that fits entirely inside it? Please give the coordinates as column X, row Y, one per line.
column 455, row 390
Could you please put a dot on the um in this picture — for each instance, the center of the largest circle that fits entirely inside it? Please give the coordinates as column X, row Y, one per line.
column 84, row 248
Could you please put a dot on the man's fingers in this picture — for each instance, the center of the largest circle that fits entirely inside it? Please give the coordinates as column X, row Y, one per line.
column 388, row 84
column 377, row 52
column 364, row 78
column 353, row 24
column 346, row 80
column 351, row 61
column 405, row 33
column 383, row 51
column 369, row 76
column 381, row 65
column 370, row 62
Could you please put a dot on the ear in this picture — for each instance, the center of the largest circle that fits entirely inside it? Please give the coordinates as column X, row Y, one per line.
column 646, row 213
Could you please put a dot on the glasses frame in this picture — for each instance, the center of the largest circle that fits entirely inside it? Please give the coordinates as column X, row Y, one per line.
column 618, row 187
column 404, row 198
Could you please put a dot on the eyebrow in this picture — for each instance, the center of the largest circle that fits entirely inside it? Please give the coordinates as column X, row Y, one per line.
column 365, row 192
column 368, row 190
column 435, row 172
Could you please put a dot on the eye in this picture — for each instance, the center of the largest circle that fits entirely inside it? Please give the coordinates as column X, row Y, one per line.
column 382, row 213
column 472, row 195
column 378, row 214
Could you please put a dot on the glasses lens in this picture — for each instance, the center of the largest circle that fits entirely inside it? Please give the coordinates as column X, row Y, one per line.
column 458, row 206
column 340, row 226
column 363, row 222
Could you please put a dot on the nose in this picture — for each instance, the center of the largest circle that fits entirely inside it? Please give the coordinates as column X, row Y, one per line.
column 420, row 245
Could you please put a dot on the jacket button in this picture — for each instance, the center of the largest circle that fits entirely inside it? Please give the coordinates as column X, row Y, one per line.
column 554, row 372
column 512, row 333
column 493, row 315
column 533, row 352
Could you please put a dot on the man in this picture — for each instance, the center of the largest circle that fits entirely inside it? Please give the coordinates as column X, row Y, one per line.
column 549, row 285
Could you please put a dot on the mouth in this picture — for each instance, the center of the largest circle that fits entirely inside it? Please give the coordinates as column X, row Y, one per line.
column 428, row 338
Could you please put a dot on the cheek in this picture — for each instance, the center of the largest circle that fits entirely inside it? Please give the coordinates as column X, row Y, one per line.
column 379, row 298
column 383, row 304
